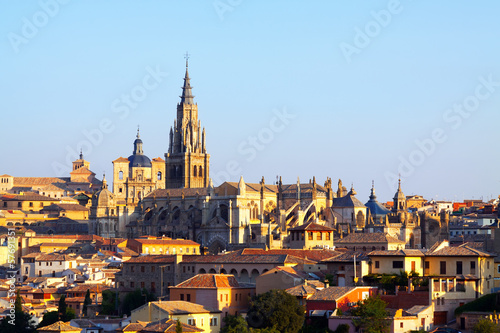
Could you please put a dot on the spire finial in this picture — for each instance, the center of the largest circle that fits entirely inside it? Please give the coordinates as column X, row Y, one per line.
column 373, row 183
column 138, row 132
column 186, row 56
column 81, row 154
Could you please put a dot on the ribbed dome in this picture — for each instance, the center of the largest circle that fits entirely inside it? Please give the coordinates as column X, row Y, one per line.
column 139, row 161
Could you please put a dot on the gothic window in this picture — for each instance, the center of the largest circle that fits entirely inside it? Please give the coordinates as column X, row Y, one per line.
column 120, row 175
column 200, row 171
column 194, row 171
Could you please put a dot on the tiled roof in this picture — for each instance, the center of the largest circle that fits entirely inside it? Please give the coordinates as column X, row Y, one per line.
column 368, row 238
column 151, row 259
column 132, row 327
column 347, row 201
column 36, row 181
column 291, row 271
column 331, row 293
column 398, row 253
column 312, row 226
column 121, row 159
column 158, row 159
column 50, row 256
column 348, row 256
column 304, row 188
column 238, row 258
column 459, row 251
column 315, row 255
column 28, row 196
column 66, row 207
column 254, row 187
column 167, row 241
column 82, row 170
column 59, row 326
column 177, row 192
column 301, row 290
column 92, row 287
column 182, row 307
column 167, row 326
column 210, row 281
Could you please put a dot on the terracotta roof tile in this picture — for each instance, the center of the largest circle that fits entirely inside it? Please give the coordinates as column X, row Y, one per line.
column 312, row 226
column 167, row 326
column 368, row 238
column 398, row 253
column 182, row 307
column 210, row 281
column 59, row 326
column 331, row 293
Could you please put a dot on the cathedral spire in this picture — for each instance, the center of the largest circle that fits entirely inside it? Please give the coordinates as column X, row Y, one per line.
column 187, row 94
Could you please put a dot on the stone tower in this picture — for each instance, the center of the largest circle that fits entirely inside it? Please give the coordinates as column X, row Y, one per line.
column 399, row 200
column 187, row 161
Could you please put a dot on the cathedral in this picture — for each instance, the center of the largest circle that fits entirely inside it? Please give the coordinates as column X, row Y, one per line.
column 175, row 197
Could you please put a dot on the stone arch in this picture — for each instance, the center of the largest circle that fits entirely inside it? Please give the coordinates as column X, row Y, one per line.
column 223, row 271
column 244, row 275
column 212, row 271
column 254, row 275
column 234, row 272
column 216, row 244
column 202, row 271
column 200, row 171
column 195, row 171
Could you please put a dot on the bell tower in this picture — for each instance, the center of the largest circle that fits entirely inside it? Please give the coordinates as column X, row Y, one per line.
column 187, row 161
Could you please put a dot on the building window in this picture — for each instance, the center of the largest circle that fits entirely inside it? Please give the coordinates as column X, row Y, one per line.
column 397, row 264
column 153, row 268
column 427, row 265
column 19, row 204
column 143, row 285
column 459, row 267
column 327, row 236
column 442, row 267
column 31, row 204
column 310, row 235
column 213, row 321
column 153, row 287
column 188, row 297
column 377, row 264
column 488, row 264
column 182, row 297
column 132, row 284
column 142, row 269
column 158, row 175
column 120, row 175
column 473, row 267
column 319, row 236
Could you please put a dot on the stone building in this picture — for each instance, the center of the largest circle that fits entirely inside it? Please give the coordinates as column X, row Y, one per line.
column 103, row 219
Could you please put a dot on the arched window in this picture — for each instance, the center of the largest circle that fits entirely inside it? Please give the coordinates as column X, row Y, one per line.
column 120, row 175
column 158, row 175
column 194, row 171
column 200, row 171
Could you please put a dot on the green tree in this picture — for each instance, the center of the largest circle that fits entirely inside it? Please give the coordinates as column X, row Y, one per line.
column 108, row 302
column 485, row 326
column 61, row 309
column 49, row 318
column 234, row 324
column 86, row 302
column 135, row 299
column 65, row 313
column 276, row 309
column 19, row 321
column 372, row 315
column 178, row 327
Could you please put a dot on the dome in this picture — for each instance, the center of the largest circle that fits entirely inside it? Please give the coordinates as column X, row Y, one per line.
column 103, row 198
column 139, row 161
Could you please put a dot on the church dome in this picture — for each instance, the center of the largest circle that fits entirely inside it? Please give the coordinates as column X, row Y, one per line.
column 139, row 161
column 103, row 197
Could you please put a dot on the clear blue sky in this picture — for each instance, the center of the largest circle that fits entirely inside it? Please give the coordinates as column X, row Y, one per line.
column 363, row 80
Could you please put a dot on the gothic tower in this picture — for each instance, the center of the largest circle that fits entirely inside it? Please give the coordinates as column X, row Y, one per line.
column 187, row 161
